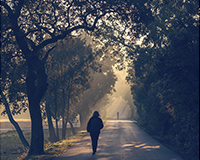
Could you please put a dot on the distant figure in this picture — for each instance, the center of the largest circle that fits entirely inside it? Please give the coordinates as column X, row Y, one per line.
column 94, row 126
column 117, row 115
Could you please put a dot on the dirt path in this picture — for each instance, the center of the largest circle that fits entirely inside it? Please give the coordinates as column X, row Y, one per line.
column 120, row 140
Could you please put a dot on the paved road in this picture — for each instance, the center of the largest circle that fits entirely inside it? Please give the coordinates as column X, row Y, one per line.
column 120, row 140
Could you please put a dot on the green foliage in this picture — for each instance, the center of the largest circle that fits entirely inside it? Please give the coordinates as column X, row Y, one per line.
column 165, row 79
column 165, row 84
column 13, row 72
column 69, row 67
column 30, row 26
column 13, row 69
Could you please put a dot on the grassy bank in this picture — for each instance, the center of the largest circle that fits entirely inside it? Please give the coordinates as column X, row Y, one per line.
column 12, row 148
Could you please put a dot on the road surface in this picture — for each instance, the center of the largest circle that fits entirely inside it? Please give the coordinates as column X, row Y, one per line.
column 120, row 140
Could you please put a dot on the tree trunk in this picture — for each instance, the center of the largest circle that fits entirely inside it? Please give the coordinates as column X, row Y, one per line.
column 72, row 128
column 83, row 120
column 64, row 127
column 63, row 117
column 57, row 130
column 52, row 134
column 56, row 109
column 15, row 124
column 37, row 137
column 68, row 98
column 36, row 82
column 35, row 91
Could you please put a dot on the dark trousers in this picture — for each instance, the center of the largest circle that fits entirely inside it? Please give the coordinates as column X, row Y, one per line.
column 94, row 136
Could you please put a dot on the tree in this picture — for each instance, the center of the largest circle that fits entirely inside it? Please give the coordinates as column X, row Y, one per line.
column 13, row 94
column 166, row 74
column 52, row 134
column 35, row 25
column 70, row 72
column 15, row 124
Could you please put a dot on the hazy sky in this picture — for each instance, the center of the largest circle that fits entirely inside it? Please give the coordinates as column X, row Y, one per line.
column 24, row 116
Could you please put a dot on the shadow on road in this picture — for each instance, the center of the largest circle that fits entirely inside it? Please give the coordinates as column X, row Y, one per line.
column 120, row 140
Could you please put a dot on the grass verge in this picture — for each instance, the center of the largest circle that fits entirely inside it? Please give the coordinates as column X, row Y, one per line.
column 12, row 148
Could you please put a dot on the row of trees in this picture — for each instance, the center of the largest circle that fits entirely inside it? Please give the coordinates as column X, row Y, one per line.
column 30, row 30
column 77, row 81
column 162, row 57
column 68, row 77
column 165, row 76
column 163, row 69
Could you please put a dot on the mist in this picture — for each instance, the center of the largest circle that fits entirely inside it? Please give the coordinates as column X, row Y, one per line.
column 116, row 102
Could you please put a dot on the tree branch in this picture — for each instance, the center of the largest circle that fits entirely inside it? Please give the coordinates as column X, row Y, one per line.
column 19, row 7
column 7, row 8
column 47, row 54
column 14, row 123
column 65, row 33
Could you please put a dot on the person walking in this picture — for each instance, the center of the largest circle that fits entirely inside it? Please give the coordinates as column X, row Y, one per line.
column 117, row 115
column 94, row 126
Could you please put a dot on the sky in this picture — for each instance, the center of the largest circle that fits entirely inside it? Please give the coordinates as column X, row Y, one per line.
column 22, row 117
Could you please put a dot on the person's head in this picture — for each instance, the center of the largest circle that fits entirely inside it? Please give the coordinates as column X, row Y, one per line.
column 96, row 114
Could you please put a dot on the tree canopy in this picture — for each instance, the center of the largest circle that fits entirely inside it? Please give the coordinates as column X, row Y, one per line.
column 159, row 40
column 35, row 27
column 165, row 75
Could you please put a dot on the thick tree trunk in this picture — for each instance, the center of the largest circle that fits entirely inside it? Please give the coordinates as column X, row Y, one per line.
column 35, row 91
column 15, row 124
column 37, row 137
column 52, row 134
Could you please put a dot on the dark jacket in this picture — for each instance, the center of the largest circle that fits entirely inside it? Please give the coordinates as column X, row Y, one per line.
column 94, row 125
